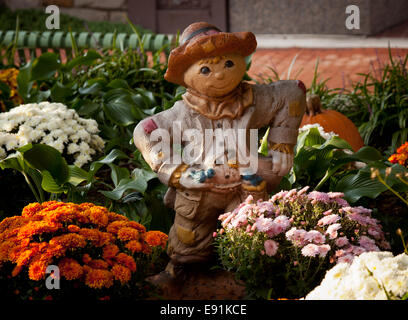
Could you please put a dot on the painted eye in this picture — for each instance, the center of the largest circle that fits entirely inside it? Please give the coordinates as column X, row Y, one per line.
column 205, row 70
column 229, row 64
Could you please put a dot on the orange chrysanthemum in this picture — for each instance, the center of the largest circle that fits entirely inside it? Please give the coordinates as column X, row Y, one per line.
column 127, row 234
column 5, row 248
column 73, row 228
column 16, row 271
column 97, row 278
column 98, row 215
column 110, row 251
column 115, row 226
column 98, row 264
column 137, row 226
column 116, row 217
column 121, row 273
column 31, row 209
column 70, row 269
column 126, row 260
column 37, row 227
column 134, row 246
column 156, row 238
column 401, row 156
column 47, row 232
column 86, row 258
column 71, row 240
column 37, row 269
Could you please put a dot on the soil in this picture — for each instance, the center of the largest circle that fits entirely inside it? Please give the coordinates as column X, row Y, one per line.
column 199, row 285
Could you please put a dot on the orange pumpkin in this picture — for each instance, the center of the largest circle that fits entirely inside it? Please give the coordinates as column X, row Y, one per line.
column 332, row 120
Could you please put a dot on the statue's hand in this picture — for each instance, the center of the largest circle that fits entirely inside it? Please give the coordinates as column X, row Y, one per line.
column 196, row 178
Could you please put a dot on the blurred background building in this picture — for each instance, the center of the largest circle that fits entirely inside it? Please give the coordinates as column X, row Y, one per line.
column 259, row 16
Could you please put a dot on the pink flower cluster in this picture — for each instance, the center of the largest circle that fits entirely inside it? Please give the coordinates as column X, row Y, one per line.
column 331, row 228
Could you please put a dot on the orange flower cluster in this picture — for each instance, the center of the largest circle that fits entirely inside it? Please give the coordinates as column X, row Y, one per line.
column 401, row 156
column 9, row 77
column 45, row 233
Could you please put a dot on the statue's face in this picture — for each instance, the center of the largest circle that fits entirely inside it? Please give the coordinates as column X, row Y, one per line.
column 216, row 77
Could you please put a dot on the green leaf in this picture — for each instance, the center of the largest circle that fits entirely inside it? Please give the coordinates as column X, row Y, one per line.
column 85, row 60
column 91, row 87
column 118, row 83
column 43, row 157
column 263, row 148
column 115, row 154
column 60, row 92
column 88, row 108
column 49, row 184
column 118, row 107
column 147, row 175
column 24, row 83
column 77, row 175
column 360, row 185
column 45, row 66
column 118, row 173
column 125, row 185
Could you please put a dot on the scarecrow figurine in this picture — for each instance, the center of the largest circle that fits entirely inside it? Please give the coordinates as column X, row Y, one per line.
column 211, row 65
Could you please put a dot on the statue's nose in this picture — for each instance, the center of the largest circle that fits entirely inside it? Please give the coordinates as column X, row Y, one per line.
column 219, row 75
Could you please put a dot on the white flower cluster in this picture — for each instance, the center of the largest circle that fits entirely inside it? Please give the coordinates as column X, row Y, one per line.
column 324, row 134
column 369, row 277
column 52, row 124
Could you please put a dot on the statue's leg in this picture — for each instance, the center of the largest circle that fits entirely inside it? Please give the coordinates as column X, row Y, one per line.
column 191, row 236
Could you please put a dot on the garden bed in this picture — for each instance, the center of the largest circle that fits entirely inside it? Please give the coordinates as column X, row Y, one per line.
column 97, row 99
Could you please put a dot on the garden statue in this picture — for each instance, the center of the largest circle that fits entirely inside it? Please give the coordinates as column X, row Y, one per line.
column 211, row 65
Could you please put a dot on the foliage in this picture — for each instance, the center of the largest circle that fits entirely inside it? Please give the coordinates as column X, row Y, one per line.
column 321, row 159
column 382, row 102
column 297, row 236
column 98, row 252
column 34, row 19
column 117, row 89
column 125, row 191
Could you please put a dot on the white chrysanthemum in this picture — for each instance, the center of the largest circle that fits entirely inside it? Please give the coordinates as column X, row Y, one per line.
column 324, row 134
column 371, row 276
column 52, row 124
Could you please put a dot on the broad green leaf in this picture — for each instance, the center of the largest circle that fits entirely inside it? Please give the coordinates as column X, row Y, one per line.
column 115, row 154
column 118, row 173
column 88, row 108
column 77, row 175
column 118, row 83
column 45, row 66
column 49, row 184
column 60, row 92
column 91, row 88
column 356, row 186
column 24, row 83
column 119, row 110
column 143, row 174
column 125, row 185
column 43, row 157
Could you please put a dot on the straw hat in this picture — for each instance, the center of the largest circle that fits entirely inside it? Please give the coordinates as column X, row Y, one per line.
column 202, row 40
